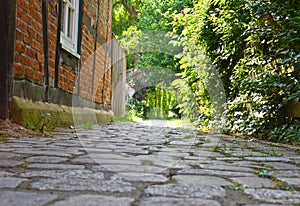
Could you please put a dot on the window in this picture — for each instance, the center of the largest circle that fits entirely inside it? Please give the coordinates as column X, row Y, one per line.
column 69, row 26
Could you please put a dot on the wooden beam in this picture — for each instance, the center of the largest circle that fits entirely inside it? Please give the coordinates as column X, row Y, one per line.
column 7, row 50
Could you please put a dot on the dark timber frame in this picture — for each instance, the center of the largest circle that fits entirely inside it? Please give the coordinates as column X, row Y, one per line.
column 7, row 45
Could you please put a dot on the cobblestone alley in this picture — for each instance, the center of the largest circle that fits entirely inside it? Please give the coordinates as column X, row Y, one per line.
column 129, row 164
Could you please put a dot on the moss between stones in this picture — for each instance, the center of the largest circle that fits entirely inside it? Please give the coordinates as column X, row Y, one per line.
column 32, row 114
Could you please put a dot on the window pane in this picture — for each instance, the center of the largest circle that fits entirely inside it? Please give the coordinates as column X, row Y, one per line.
column 70, row 23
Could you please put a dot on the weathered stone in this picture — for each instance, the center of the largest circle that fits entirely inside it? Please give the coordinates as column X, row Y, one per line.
column 46, row 159
column 214, row 172
column 249, row 164
column 267, row 159
column 13, row 198
column 95, row 200
column 10, row 182
column 127, row 161
column 245, row 153
column 43, row 152
column 189, row 142
column 83, row 160
column 201, row 153
column 175, row 155
column 65, row 174
column 275, row 196
column 6, row 174
column 130, row 168
column 10, row 163
column 183, row 190
column 266, row 205
column 285, row 173
column 55, row 166
column 68, row 144
column 254, row 182
column 71, row 184
column 201, row 180
column 95, row 150
column 107, row 156
column 224, row 167
column 157, row 160
column 140, row 177
column 228, row 159
column 131, row 151
column 283, row 166
column 8, row 154
column 291, row 181
column 161, row 201
column 28, row 140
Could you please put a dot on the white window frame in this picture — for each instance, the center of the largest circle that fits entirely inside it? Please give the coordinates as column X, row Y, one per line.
column 69, row 30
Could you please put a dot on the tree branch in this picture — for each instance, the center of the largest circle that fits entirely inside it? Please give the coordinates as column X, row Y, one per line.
column 116, row 3
column 132, row 11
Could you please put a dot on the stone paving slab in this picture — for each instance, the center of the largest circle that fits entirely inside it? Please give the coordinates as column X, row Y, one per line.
column 10, row 182
column 283, row 166
column 55, row 166
column 140, row 177
column 214, row 172
column 185, row 191
column 146, row 164
column 10, row 163
column 275, row 196
column 46, row 159
column 95, row 200
column 201, row 180
column 165, row 201
column 225, row 167
column 295, row 182
column 254, row 182
column 64, row 174
column 71, row 184
column 13, row 198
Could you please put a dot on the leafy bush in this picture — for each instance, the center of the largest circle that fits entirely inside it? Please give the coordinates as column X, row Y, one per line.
column 255, row 46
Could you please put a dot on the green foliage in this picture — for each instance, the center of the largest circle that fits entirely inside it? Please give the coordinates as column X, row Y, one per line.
column 87, row 126
column 149, row 96
column 42, row 124
column 263, row 173
column 286, row 133
column 159, row 102
column 121, row 20
column 189, row 107
column 255, row 48
column 252, row 45
column 265, row 79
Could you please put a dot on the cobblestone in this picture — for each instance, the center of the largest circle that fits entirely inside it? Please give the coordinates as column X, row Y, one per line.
column 147, row 164
column 95, row 200
column 13, row 198
column 164, row 201
column 10, row 182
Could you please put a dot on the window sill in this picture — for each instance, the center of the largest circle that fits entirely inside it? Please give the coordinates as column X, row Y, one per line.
column 71, row 51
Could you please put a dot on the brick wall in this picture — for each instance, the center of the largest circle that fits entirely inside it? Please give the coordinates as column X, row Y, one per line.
column 29, row 41
column 29, row 54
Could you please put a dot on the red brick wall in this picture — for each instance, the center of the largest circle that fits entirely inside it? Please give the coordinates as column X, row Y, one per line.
column 103, row 59
column 29, row 41
column 29, row 55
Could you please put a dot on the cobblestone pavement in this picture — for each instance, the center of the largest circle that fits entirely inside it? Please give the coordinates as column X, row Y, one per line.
column 137, row 164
